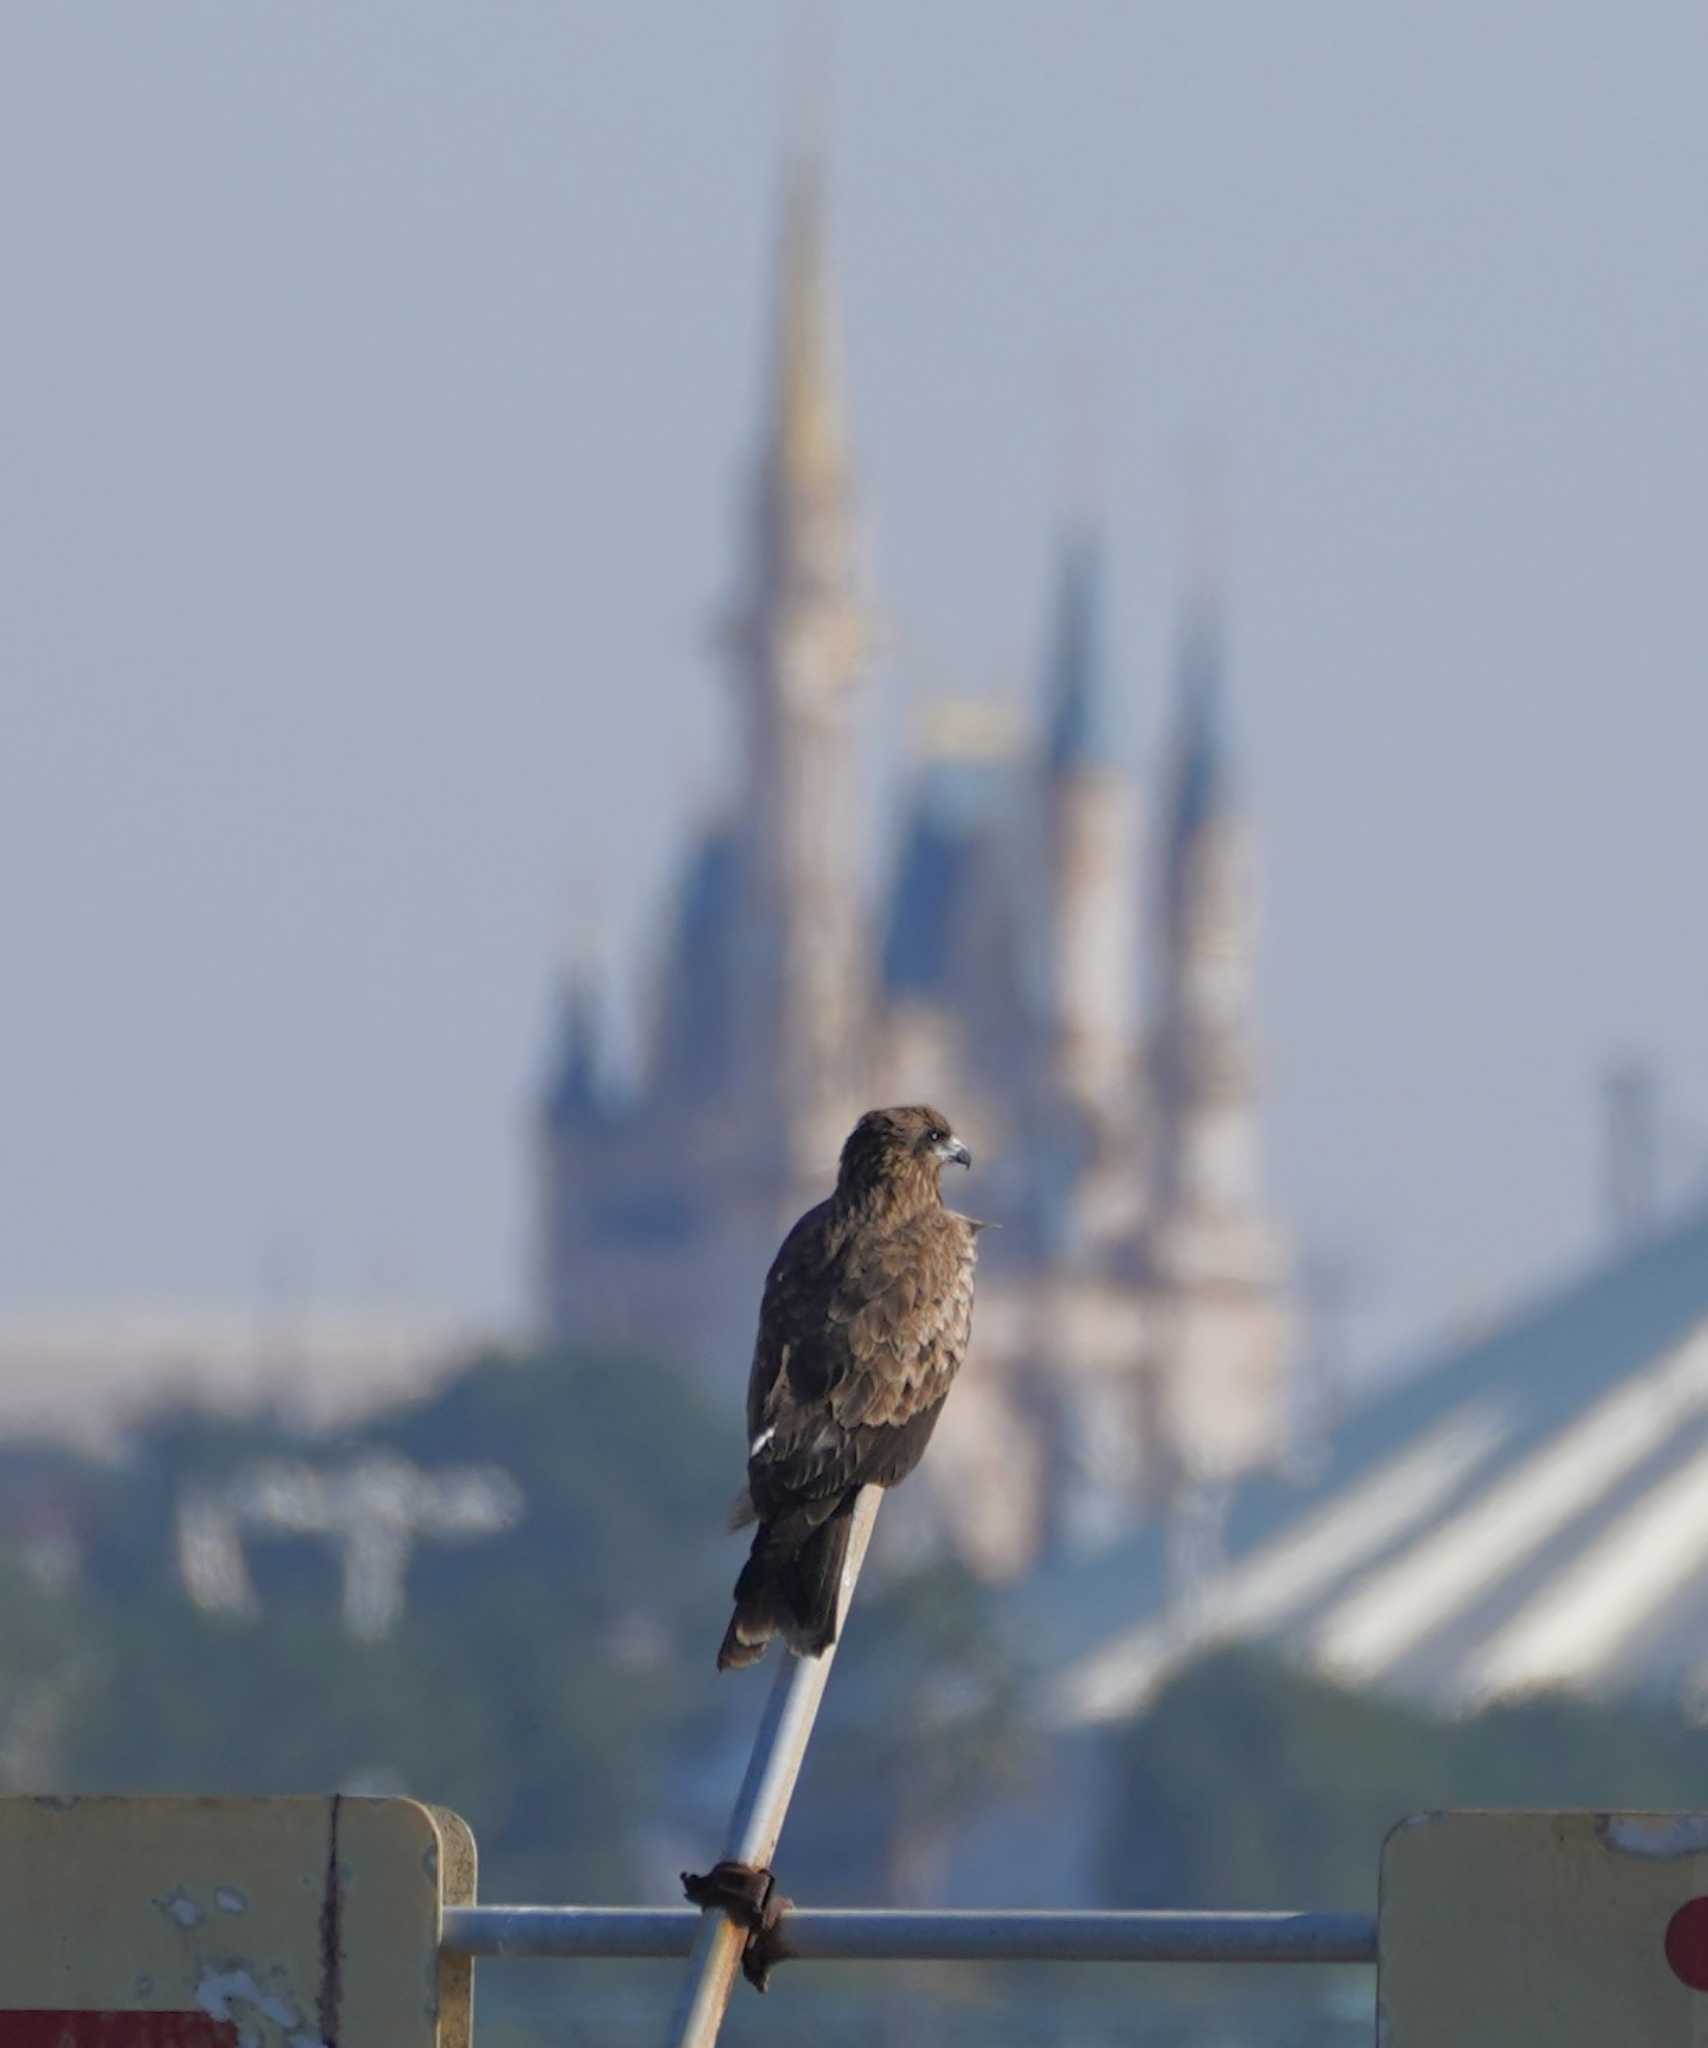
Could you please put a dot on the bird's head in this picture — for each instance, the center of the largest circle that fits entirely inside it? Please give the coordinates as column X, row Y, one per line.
column 899, row 1149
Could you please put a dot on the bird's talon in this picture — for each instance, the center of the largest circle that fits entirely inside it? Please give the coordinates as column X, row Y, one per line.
column 751, row 1899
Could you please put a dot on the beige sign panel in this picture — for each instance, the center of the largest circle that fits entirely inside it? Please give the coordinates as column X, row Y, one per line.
column 1502, row 1930
column 230, row 1923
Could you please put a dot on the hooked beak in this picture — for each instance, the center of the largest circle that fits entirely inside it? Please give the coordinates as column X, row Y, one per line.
column 953, row 1152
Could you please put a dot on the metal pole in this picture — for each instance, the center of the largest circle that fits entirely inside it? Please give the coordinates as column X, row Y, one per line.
column 819, row 1934
column 762, row 1805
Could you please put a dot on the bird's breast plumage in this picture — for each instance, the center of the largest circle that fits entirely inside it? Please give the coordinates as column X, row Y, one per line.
column 863, row 1327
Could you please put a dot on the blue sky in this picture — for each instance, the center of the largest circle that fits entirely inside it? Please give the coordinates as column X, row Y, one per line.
column 378, row 385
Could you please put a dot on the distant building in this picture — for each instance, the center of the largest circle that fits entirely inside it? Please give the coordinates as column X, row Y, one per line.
column 1528, row 1511
column 1525, row 1512
column 1132, row 1337
column 374, row 1510
column 84, row 1375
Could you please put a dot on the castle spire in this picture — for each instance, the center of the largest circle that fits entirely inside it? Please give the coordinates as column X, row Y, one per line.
column 1204, row 1080
column 1081, row 734
column 1220, row 1353
column 803, row 540
column 1200, row 794
column 799, row 641
column 1204, row 925
column 1090, row 815
column 574, row 1091
column 576, row 1119
column 808, row 443
column 1202, row 788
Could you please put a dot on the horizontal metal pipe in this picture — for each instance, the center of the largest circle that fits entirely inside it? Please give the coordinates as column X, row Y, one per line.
column 821, row 1935
column 568, row 1930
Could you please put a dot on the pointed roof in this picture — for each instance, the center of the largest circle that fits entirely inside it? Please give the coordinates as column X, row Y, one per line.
column 959, row 804
column 1201, row 779
column 1082, row 722
column 574, row 1094
column 695, row 1026
column 806, row 441
column 802, row 545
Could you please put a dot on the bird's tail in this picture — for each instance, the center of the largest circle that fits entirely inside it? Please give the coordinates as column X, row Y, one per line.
column 789, row 1587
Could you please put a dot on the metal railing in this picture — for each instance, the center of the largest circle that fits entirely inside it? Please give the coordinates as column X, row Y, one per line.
column 714, row 1941
column 823, row 1935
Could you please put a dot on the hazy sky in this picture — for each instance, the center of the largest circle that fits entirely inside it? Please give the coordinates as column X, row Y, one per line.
column 376, row 386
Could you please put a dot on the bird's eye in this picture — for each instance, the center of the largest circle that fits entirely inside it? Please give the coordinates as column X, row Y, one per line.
column 938, row 1135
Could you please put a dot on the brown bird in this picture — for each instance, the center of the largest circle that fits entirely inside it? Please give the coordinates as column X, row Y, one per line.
column 865, row 1319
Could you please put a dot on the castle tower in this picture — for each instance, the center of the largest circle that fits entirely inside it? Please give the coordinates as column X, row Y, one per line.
column 1220, row 1323
column 573, row 1093
column 1090, row 820
column 1205, row 1157
column 694, row 1049
column 797, row 643
column 573, row 1123
column 957, row 1021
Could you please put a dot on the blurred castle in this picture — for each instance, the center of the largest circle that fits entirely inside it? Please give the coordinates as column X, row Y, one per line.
column 1132, row 1335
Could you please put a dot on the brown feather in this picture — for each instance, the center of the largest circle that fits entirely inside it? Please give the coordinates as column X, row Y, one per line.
column 865, row 1320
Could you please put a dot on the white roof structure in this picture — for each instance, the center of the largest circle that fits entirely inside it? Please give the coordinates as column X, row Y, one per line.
column 81, row 1376
column 1529, row 1511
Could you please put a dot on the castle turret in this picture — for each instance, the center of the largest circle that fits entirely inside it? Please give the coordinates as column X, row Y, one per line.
column 798, row 640
column 1204, row 1159
column 574, row 1118
column 694, row 1045
column 1090, row 818
column 572, row 1095
column 1221, row 1329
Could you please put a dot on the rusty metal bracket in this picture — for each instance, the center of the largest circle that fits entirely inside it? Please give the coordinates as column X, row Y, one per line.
column 751, row 1899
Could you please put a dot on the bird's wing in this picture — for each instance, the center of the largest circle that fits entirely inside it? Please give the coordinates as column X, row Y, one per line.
column 792, row 1307
column 856, row 1353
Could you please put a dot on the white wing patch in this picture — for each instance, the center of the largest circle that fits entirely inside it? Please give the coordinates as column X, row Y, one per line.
column 761, row 1440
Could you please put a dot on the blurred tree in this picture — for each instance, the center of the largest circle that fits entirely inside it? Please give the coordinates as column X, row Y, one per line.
column 542, row 1681
column 43, row 1669
column 1251, row 1784
column 923, row 1730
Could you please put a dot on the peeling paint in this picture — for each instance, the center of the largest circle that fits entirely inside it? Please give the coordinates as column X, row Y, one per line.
column 179, row 1906
column 232, row 1995
column 1655, row 1834
column 217, row 1935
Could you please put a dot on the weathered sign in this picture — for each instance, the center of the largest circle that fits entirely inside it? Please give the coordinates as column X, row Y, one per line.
column 1565, row 1929
column 230, row 1923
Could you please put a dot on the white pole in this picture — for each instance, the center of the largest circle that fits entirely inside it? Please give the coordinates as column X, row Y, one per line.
column 762, row 1805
